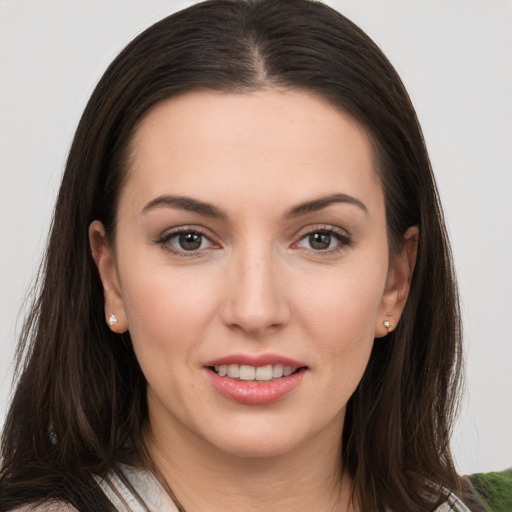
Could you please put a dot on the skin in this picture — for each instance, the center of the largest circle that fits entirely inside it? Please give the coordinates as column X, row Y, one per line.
column 255, row 286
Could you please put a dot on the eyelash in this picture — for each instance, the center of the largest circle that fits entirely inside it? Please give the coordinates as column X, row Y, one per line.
column 165, row 239
column 344, row 240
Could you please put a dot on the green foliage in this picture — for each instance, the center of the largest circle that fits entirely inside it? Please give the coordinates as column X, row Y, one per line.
column 495, row 489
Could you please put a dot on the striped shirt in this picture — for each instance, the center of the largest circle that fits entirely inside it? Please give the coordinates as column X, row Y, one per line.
column 156, row 498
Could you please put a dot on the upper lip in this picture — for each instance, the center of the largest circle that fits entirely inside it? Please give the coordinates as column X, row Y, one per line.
column 260, row 360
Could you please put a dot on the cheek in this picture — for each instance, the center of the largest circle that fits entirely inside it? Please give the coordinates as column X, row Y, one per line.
column 338, row 314
column 340, row 311
column 167, row 312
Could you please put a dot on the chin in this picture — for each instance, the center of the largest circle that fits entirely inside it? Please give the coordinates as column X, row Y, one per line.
column 260, row 439
column 256, row 447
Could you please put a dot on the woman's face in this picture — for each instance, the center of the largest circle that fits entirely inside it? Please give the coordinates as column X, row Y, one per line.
column 251, row 244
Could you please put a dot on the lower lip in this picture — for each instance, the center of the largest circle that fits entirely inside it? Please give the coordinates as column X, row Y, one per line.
column 255, row 392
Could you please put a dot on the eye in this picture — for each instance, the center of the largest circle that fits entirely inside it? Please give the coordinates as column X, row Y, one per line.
column 323, row 240
column 189, row 241
column 185, row 241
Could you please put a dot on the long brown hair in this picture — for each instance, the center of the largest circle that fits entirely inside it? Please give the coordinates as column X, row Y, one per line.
column 79, row 407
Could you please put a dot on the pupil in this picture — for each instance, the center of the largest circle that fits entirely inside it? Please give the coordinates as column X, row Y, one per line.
column 320, row 240
column 190, row 241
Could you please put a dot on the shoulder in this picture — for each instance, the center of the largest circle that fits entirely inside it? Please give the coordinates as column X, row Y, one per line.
column 133, row 489
column 46, row 507
column 452, row 504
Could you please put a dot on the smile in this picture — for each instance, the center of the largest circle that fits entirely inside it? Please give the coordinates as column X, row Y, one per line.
column 255, row 380
column 245, row 372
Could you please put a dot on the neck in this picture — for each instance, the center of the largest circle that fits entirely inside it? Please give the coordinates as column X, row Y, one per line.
column 205, row 479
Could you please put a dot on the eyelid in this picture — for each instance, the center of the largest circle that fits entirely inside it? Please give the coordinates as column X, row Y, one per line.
column 341, row 234
column 170, row 233
column 328, row 228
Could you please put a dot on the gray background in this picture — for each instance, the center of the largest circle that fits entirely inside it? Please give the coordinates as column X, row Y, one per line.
column 455, row 57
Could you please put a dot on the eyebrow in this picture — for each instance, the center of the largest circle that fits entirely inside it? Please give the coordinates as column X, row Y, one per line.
column 209, row 210
column 323, row 202
column 187, row 204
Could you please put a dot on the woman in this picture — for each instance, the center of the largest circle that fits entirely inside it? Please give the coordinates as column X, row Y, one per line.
column 248, row 298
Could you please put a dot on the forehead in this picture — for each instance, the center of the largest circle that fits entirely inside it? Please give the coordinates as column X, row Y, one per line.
column 237, row 144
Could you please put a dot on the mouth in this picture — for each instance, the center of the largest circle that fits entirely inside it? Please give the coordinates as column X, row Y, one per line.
column 257, row 380
column 247, row 373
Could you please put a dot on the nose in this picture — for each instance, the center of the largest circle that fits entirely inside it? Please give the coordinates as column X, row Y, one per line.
column 255, row 294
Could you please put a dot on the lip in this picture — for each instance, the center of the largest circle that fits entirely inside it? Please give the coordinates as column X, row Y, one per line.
column 260, row 360
column 255, row 392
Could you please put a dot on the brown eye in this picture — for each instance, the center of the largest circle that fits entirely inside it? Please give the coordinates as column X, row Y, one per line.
column 190, row 241
column 325, row 240
column 319, row 241
column 186, row 241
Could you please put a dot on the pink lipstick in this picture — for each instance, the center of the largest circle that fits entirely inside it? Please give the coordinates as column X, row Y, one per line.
column 256, row 380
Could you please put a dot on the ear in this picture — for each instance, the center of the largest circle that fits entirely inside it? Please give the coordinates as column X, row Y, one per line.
column 104, row 257
column 398, row 284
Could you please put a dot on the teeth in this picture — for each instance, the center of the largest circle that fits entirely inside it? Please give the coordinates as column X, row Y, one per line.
column 264, row 372
column 259, row 373
column 277, row 371
column 247, row 372
column 233, row 371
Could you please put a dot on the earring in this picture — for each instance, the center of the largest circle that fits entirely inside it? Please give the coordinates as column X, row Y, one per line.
column 112, row 320
column 387, row 324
